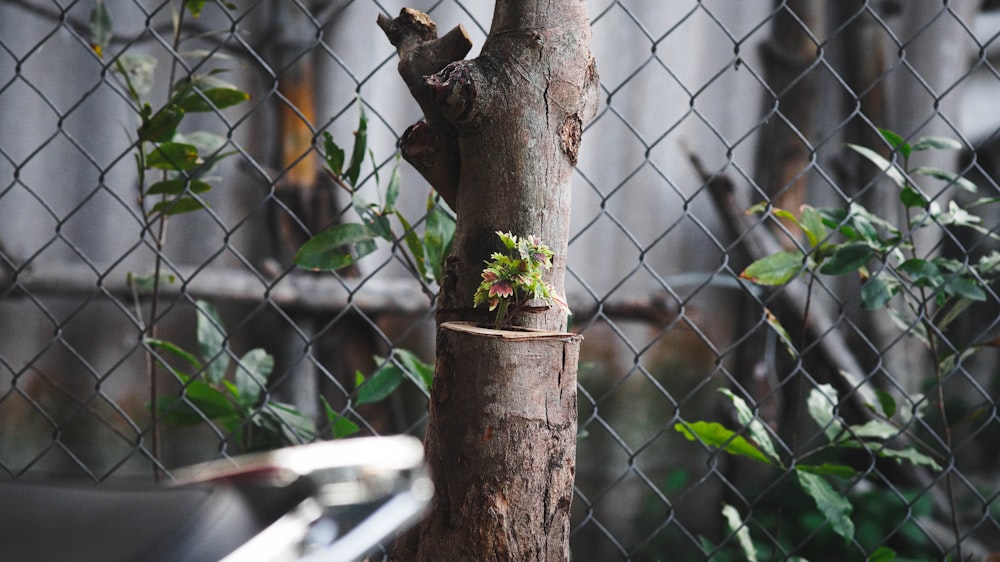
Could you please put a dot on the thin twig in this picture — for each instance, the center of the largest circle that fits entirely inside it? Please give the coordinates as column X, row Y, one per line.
column 82, row 28
column 159, row 242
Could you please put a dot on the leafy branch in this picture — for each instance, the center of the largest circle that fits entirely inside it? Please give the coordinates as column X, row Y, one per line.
column 230, row 395
column 183, row 161
column 400, row 366
column 933, row 290
column 754, row 441
column 343, row 244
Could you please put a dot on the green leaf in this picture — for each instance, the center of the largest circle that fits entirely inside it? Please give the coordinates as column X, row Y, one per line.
column 178, row 186
column 831, row 503
column 206, row 92
column 383, row 382
column 758, row 432
column 378, row 224
column 909, row 326
column 911, row 198
column 921, row 273
column 198, row 401
column 897, row 142
column 250, row 377
column 873, row 429
column 827, row 469
column 173, row 349
column 776, row 269
column 371, row 158
column 414, row 245
column 983, row 201
column 966, row 288
column 144, row 285
column 954, row 215
column 177, row 206
column 438, row 234
column 334, row 155
column 909, row 454
column 392, row 190
column 890, row 169
column 212, row 99
column 162, row 126
column 209, row 147
column 100, row 28
column 955, row 310
column 856, row 223
column 787, row 215
column 138, row 71
column 212, row 342
column 174, row 156
column 204, row 141
column 233, row 391
column 340, row 426
column 421, row 373
column 860, row 387
column 951, row 361
column 759, row 208
column 709, row 546
column 194, row 7
column 879, row 290
column 847, row 258
column 742, row 531
column 944, row 175
column 822, row 402
column 336, row 247
column 887, row 403
column 989, row 264
column 812, row 224
column 949, row 265
column 360, row 147
column 296, row 427
column 372, row 217
column 786, row 339
column 716, row 435
column 936, row 143
column 343, row 427
column 882, row 554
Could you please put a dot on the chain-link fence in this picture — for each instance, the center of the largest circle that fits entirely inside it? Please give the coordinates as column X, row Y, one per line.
column 865, row 427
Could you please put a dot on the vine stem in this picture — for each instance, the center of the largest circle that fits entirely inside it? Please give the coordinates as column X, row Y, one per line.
column 159, row 243
column 942, row 411
column 925, row 316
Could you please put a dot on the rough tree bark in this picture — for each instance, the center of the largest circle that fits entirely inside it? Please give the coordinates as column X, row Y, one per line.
column 498, row 141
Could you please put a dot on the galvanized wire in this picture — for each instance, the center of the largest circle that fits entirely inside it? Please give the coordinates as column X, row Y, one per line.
column 691, row 101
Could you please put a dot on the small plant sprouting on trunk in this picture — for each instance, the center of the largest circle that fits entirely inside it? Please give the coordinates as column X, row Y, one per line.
column 512, row 279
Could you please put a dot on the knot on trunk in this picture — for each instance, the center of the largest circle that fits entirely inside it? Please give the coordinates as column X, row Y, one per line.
column 431, row 145
column 454, row 90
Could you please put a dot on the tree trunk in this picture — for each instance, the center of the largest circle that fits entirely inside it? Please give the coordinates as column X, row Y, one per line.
column 784, row 153
column 499, row 141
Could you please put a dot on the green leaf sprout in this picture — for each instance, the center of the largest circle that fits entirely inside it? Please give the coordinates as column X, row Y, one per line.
column 512, row 279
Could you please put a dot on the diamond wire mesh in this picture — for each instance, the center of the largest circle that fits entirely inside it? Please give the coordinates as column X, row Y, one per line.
column 755, row 97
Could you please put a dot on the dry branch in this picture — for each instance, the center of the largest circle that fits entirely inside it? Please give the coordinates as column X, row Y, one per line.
column 302, row 291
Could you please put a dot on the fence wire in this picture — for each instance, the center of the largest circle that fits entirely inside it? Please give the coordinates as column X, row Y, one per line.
column 708, row 107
